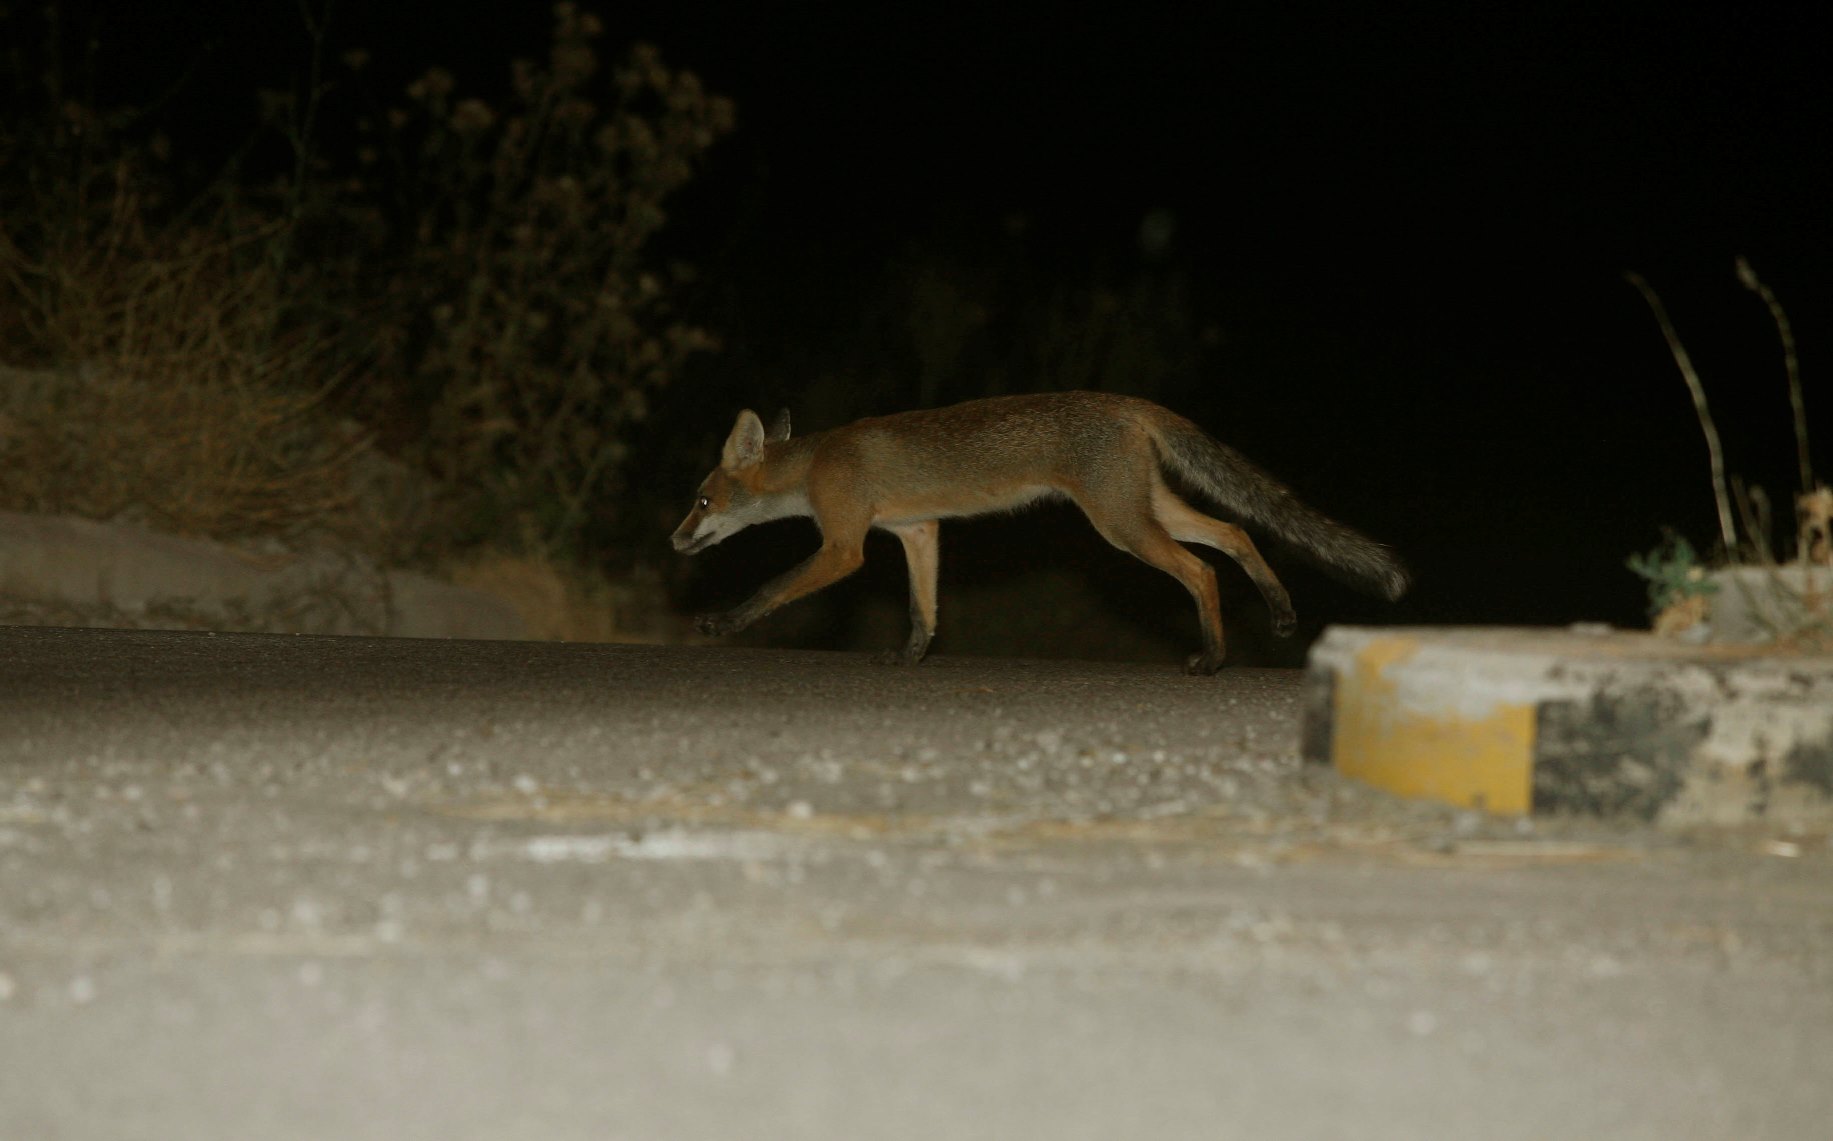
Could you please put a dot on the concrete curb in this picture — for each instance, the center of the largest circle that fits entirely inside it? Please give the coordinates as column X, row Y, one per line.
column 1762, row 604
column 1583, row 720
column 82, row 571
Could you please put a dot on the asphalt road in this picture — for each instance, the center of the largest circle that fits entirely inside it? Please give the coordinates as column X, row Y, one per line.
column 271, row 887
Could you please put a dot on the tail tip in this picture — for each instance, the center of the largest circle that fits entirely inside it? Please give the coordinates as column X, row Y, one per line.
column 1394, row 580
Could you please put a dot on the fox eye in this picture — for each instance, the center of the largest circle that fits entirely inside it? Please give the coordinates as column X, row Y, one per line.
column 704, row 503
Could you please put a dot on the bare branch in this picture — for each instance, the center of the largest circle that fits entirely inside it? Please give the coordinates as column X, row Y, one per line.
column 1727, row 529
column 1748, row 277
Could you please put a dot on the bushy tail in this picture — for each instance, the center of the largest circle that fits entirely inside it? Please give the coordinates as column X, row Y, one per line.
column 1225, row 475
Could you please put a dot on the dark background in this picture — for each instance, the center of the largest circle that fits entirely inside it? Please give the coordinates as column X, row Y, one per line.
column 1400, row 233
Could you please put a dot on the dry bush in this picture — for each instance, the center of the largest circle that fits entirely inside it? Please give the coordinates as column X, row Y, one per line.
column 529, row 321
column 171, row 393
column 476, row 287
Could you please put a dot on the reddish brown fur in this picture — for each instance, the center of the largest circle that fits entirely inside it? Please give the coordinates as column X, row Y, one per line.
column 907, row 471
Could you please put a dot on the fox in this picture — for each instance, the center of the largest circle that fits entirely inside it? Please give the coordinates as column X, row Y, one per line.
column 1109, row 454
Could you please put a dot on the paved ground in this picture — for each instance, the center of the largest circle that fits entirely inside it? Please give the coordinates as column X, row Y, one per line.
column 339, row 888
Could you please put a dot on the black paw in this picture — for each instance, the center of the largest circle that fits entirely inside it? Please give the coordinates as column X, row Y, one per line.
column 1202, row 665
column 1284, row 624
column 716, row 625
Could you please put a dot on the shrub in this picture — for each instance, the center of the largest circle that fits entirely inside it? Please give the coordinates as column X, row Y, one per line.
column 530, row 332
column 480, row 291
column 172, row 393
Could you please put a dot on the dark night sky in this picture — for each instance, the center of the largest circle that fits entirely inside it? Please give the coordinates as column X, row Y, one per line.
column 1408, row 221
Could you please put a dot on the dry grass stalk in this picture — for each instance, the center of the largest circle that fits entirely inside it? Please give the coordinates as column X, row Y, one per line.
column 1721, row 494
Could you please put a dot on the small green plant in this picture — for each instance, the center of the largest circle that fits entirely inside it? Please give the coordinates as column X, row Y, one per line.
column 1674, row 573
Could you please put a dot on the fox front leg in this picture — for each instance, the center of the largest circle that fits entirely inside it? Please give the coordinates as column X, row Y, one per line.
column 719, row 625
column 833, row 562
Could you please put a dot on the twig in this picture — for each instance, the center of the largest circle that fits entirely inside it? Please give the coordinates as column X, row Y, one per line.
column 1748, row 277
column 1753, row 505
column 1727, row 530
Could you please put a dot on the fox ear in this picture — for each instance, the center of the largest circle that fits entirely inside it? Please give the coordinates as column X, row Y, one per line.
column 745, row 446
column 779, row 427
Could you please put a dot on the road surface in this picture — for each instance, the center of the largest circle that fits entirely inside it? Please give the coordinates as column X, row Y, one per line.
column 272, row 887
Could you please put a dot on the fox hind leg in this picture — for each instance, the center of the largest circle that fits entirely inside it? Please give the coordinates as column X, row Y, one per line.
column 1126, row 521
column 1152, row 543
column 1188, row 525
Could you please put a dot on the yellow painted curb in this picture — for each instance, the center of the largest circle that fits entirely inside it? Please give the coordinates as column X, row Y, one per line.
column 1581, row 719
column 1484, row 762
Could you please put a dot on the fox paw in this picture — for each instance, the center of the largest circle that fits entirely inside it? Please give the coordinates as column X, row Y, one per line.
column 716, row 625
column 1203, row 664
column 1284, row 623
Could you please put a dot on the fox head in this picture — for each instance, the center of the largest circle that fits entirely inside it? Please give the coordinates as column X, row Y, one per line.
column 732, row 497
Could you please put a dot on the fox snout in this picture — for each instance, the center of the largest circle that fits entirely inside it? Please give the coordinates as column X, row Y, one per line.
column 686, row 541
column 704, row 527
